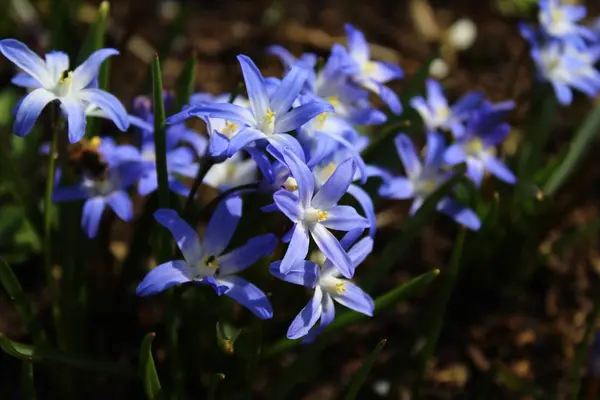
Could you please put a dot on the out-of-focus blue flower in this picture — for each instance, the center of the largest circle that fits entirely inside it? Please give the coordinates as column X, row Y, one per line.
column 269, row 117
column 559, row 20
column 329, row 287
column 204, row 262
column 424, row 178
column 316, row 213
column 103, row 189
column 485, row 130
column 437, row 114
column 370, row 74
column 568, row 67
column 308, row 61
column 234, row 171
column 52, row 80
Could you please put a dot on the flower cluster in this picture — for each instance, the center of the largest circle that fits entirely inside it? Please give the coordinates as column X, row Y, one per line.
column 564, row 51
column 297, row 139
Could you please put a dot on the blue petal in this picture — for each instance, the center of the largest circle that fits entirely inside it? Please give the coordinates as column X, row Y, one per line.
column 390, row 99
column 243, row 138
column 397, row 188
column 287, row 59
column 435, row 95
column 245, row 256
column 109, row 104
column 297, row 249
column 288, row 90
column 332, row 249
column 475, row 170
column 408, row 155
column 247, row 295
column 163, row 277
column 454, row 154
column 360, row 251
column 186, row 238
column 148, row 183
column 226, row 111
column 88, row 70
column 20, row 55
column 460, row 214
column 25, row 80
column 336, row 186
column 327, row 317
column 288, row 204
column 218, row 145
column 384, row 72
column 355, row 299
column 282, row 140
column 303, row 273
column 467, row 103
column 563, row 93
column 303, row 176
column 29, row 110
column 222, row 224
column 500, row 170
column 307, row 317
column 75, row 111
column 255, row 86
column 357, row 44
column 57, row 62
column 92, row 212
column 365, row 201
column 121, row 204
column 298, row 116
column 436, row 145
column 69, row 193
column 344, row 218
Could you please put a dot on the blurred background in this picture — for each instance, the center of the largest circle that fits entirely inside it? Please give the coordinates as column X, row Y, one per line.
column 527, row 283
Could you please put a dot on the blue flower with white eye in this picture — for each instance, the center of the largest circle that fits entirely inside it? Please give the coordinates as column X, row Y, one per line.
column 268, row 118
column 315, row 213
column 308, row 61
column 424, row 178
column 372, row 75
column 204, row 262
column 485, row 130
column 568, row 67
column 51, row 80
column 329, row 287
column 438, row 115
column 559, row 20
column 101, row 190
column 232, row 172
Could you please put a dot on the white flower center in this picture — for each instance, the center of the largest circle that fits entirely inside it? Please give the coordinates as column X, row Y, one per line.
column 314, row 215
column 332, row 285
column 64, row 84
column 208, row 266
column 267, row 122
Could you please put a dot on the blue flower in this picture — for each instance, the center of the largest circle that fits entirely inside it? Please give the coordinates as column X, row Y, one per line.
column 204, row 262
column 485, row 130
column 269, row 117
column 329, row 287
column 230, row 173
column 51, row 80
column 437, row 114
column 559, row 20
column 107, row 188
column 567, row 66
column 423, row 179
column 370, row 74
column 316, row 213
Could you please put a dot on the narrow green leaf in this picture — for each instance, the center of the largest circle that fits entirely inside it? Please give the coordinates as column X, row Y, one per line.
column 160, row 146
column 577, row 149
column 401, row 242
column 583, row 350
column 361, row 375
column 94, row 40
column 350, row 317
column 436, row 317
column 27, row 383
column 214, row 382
column 26, row 352
column 148, row 369
column 13, row 288
column 185, row 83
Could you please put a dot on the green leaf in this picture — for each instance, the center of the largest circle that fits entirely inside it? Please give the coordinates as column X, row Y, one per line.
column 583, row 349
column 13, row 288
column 350, row 317
column 94, row 40
column 185, row 83
column 436, row 316
column 27, row 382
column 364, row 370
column 160, row 146
column 148, row 369
column 26, row 352
column 401, row 242
column 577, row 149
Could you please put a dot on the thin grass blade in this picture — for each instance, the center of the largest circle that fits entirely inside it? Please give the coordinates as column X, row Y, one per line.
column 361, row 375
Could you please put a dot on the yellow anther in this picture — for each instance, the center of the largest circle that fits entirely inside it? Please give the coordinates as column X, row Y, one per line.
column 290, row 184
column 269, row 116
column 428, row 186
column 321, row 216
column 334, row 101
column 230, row 128
column 369, row 67
column 321, row 118
column 340, row 288
column 212, row 262
column 95, row 141
column 66, row 77
column 474, row 146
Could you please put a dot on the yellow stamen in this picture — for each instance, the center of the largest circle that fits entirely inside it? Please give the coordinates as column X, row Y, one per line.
column 321, row 216
column 369, row 67
column 230, row 128
column 212, row 262
column 334, row 101
column 66, row 77
column 340, row 288
column 321, row 118
column 474, row 146
column 269, row 116
column 95, row 141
